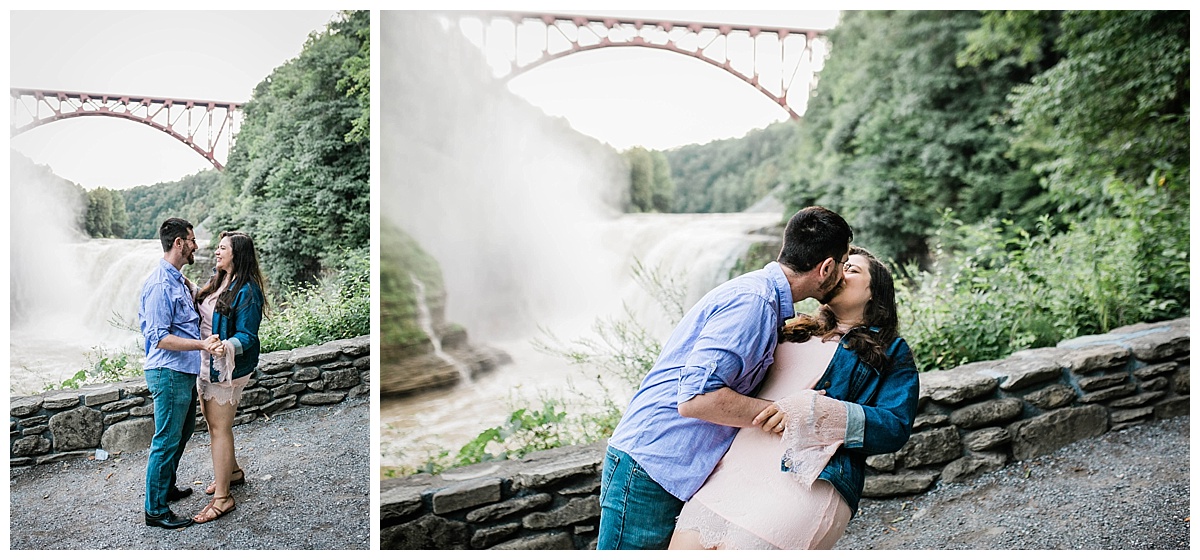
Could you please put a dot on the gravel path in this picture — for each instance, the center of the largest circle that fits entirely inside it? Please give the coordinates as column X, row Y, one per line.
column 309, row 486
column 1124, row 490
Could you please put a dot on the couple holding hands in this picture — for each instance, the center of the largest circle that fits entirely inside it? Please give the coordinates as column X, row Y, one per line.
column 201, row 346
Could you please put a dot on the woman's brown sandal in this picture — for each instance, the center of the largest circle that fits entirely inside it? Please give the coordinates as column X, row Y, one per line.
column 211, row 512
column 232, row 482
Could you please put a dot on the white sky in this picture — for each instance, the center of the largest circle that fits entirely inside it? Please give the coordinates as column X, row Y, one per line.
column 223, row 55
column 640, row 96
column 207, row 55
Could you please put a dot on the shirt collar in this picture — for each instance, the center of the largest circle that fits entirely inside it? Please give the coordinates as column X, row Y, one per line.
column 170, row 269
column 786, row 308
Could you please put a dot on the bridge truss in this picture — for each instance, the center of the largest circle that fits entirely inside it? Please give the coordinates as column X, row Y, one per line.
column 781, row 63
column 207, row 127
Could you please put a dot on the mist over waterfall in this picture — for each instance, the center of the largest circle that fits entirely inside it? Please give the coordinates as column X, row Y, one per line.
column 524, row 216
column 66, row 290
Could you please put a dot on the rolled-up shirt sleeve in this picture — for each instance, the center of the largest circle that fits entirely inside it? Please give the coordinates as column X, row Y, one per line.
column 156, row 323
column 732, row 345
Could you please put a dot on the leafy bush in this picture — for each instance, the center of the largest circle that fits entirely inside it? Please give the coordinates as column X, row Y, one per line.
column 105, row 367
column 998, row 288
column 338, row 306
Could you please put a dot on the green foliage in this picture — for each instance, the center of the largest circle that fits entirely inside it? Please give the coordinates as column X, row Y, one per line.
column 1116, row 104
column 105, row 215
column 999, row 288
column 294, row 178
column 400, row 261
column 897, row 130
column 105, row 367
column 650, row 186
column 336, row 307
column 731, row 175
column 357, row 81
column 191, row 198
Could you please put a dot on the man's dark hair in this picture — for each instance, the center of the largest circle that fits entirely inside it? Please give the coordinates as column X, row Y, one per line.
column 172, row 229
column 812, row 235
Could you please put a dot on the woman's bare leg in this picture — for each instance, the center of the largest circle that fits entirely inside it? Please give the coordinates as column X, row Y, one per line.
column 220, row 431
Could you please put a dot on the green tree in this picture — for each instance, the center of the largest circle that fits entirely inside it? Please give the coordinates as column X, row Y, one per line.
column 898, row 131
column 1117, row 106
column 294, row 178
column 641, row 179
column 98, row 220
column 731, row 175
column 191, row 198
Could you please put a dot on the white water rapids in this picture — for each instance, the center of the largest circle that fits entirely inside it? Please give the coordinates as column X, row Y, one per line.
column 695, row 250
column 71, row 302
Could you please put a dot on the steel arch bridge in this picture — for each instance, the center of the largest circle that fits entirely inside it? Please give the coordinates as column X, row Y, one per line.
column 779, row 62
column 207, row 127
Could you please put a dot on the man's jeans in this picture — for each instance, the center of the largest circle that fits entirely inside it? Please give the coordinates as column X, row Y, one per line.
column 174, row 395
column 635, row 512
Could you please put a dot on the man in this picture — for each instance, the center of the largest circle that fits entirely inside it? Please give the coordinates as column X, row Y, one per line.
column 692, row 402
column 171, row 326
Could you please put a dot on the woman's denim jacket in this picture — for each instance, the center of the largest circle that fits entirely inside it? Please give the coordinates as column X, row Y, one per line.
column 879, row 421
column 241, row 329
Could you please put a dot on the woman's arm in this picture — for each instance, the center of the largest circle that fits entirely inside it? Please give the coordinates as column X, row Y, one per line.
column 247, row 317
column 884, row 426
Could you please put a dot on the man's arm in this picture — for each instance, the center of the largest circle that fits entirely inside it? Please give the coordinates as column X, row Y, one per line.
column 730, row 408
column 735, row 336
column 180, row 344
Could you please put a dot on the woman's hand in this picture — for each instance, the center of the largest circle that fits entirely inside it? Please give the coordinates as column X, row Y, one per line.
column 772, row 419
column 215, row 346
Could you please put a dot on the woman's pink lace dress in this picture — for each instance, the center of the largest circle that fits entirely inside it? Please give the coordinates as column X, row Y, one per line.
column 226, row 390
column 748, row 502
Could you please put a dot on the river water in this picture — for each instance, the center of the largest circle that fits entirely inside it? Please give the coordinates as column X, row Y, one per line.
column 695, row 251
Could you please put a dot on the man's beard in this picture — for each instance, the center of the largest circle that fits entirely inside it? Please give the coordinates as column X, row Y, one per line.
column 832, row 292
column 191, row 258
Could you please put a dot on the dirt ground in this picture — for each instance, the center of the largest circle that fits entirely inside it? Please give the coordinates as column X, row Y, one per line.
column 1124, row 490
column 309, row 486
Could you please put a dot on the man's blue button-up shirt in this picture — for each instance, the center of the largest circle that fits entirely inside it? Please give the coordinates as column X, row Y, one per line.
column 726, row 340
column 167, row 308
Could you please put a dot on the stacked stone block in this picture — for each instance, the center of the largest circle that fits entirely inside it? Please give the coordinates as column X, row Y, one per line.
column 546, row 501
column 119, row 417
column 972, row 419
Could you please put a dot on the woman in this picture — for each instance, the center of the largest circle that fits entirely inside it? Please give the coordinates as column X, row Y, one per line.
column 231, row 306
column 848, row 387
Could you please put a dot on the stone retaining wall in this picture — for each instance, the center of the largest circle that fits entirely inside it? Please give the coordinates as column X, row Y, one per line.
column 972, row 419
column 118, row 417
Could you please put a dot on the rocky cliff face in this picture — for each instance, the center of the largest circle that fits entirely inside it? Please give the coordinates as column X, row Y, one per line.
column 413, row 366
column 419, row 350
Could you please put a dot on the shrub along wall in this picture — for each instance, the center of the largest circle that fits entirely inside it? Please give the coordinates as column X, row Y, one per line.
column 119, row 417
column 972, row 419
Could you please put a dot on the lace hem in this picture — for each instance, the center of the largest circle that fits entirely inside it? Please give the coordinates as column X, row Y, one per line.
column 815, row 427
column 716, row 531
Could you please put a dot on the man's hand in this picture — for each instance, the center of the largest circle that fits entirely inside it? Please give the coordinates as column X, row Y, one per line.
column 771, row 419
column 215, row 346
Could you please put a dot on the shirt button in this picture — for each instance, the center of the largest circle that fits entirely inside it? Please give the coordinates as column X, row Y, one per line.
column 826, row 384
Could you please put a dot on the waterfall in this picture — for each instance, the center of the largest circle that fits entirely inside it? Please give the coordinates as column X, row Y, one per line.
column 77, row 299
column 694, row 251
column 425, row 319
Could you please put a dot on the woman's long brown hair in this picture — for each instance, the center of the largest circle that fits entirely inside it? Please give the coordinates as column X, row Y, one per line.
column 880, row 313
column 245, row 270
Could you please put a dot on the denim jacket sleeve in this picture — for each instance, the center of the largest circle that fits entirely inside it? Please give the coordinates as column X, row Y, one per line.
column 887, row 421
column 247, row 315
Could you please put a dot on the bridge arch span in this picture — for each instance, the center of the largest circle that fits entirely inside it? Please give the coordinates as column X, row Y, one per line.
column 207, row 127
column 781, row 63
